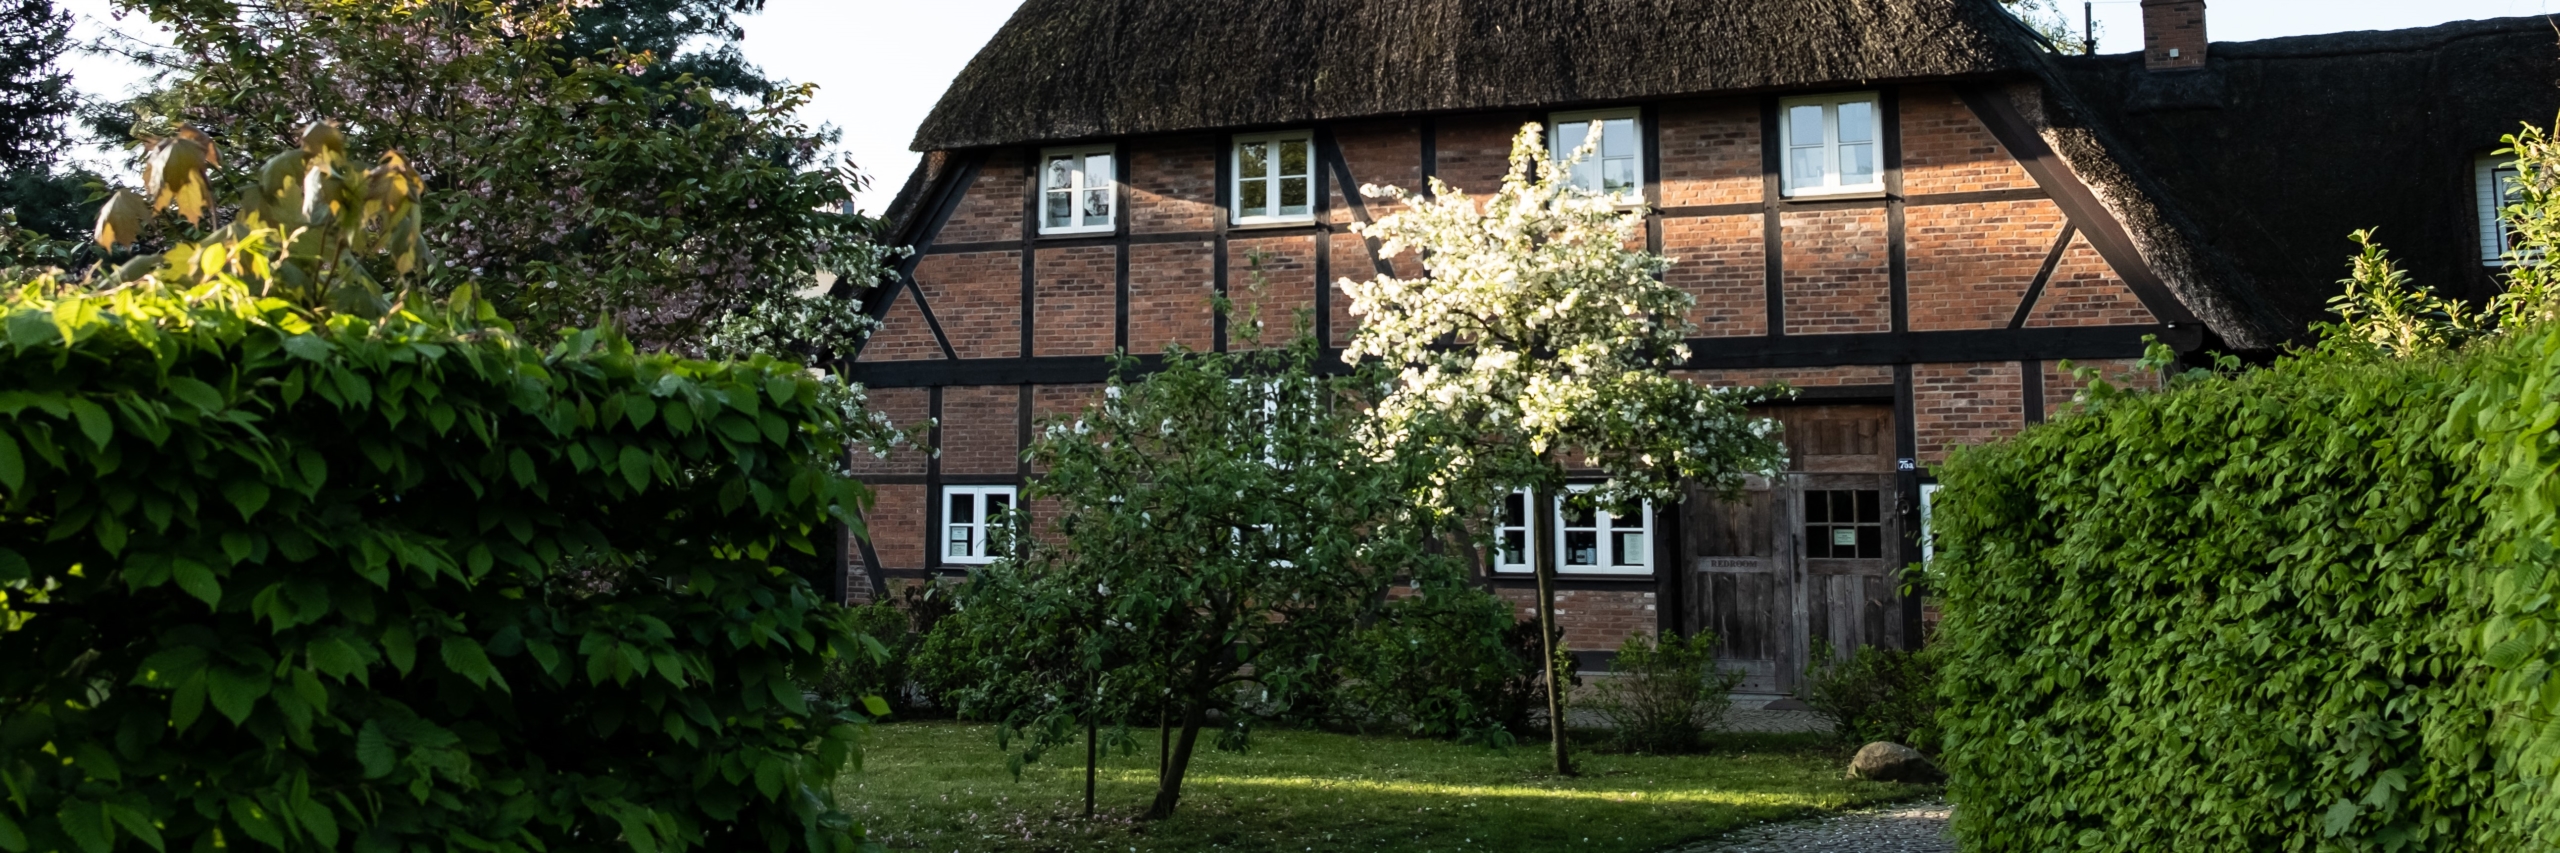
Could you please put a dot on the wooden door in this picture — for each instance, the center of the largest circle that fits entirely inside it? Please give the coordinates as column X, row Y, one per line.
column 1804, row 556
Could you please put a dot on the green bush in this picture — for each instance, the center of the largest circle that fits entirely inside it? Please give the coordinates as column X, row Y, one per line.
column 901, row 626
column 280, row 578
column 1662, row 695
column 1451, row 663
column 1876, row 694
column 2245, row 614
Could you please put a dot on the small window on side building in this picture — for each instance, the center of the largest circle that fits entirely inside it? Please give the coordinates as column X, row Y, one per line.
column 2497, row 189
column 1079, row 190
column 1274, row 178
column 1616, row 166
column 1832, row 145
column 968, row 513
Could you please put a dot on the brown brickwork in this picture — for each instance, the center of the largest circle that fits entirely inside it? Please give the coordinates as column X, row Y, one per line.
column 979, row 429
column 1594, row 620
column 1957, row 404
column 1388, row 154
column 896, row 525
column 1946, row 149
column 903, row 335
column 978, row 298
column 1475, row 151
column 1711, row 154
column 1288, row 284
column 1351, row 260
column 1077, row 301
column 1971, row 264
column 1173, row 185
column 2086, row 291
column 907, row 408
column 1836, row 277
column 1721, row 261
column 1800, row 377
column 1170, row 287
column 992, row 209
column 2060, row 387
column 1058, row 405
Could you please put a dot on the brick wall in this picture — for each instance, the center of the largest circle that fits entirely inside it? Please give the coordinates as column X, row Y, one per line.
column 1288, row 283
column 907, row 408
column 1801, row 377
column 896, row 525
column 2060, row 386
column 1710, row 153
column 1077, row 308
column 1058, row 405
column 992, row 209
column 1724, row 262
column 1971, row 264
column 903, row 335
column 1946, row 149
column 1170, row 285
column 1594, row 620
column 1836, row 277
column 978, row 298
column 1387, row 154
column 1475, row 151
column 1173, row 185
column 980, row 430
column 2085, row 291
column 1971, row 403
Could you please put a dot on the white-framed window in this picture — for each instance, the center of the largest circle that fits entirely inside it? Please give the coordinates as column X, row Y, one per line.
column 1616, row 167
column 1928, row 535
column 1595, row 541
column 967, row 514
column 1833, row 144
column 1079, row 190
column 1274, row 178
column 2497, row 188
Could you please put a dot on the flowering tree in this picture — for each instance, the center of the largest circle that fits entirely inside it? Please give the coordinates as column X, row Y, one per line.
column 1564, row 340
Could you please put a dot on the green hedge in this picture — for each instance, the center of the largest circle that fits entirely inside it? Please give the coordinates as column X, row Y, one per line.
column 275, row 580
column 2259, row 612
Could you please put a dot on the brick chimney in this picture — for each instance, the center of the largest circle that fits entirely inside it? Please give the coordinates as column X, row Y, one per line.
column 2173, row 34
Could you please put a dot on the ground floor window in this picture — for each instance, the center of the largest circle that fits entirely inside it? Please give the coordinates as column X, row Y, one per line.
column 1845, row 524
column 1598, row 540
column 967, row 513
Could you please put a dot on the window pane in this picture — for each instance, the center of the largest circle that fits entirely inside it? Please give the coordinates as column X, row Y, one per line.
column 1870, row 543
column 1253, row 160
column 1857, row 165
column 1817, row 507
column 2510, row 186
column 1570, row 135
column 1870, row 507
column 1582, row 548
column 1097, row 207
column 1618, row 138
column 1620, row 179
column 997, row 503
column 1061, row 207
column 1817, row 542
column 1586, row 175
column 1575, row 516
column 1293, row 196
column 1254, row 198
column 1804, row 125
column 959, row 542
column 1097, row 170
column 1810, row 170
column 1857, row 122
column 1293, row 157
column 1627, row 548
column 1515, row 547
column 1515, row 510
column 1844, row 506
column 1062, row 173
column 963, row 510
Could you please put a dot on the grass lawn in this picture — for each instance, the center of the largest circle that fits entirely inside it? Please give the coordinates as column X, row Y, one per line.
column 942, row 788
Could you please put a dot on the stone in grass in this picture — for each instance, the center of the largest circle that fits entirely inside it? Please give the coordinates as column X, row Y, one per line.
column 1893, row 762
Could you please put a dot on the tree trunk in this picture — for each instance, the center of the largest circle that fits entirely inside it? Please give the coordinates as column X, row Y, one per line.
column 1091, row 751
column 1546, row 562
column 1169, row 784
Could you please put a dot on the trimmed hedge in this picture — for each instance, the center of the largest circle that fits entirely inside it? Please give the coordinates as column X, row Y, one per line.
column 2260, row 612
column 275, row 579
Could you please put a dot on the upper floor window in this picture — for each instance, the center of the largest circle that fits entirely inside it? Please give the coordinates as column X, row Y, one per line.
column 1616, row 166
column 2498, row 188
column 1274, row 178
column 1079, row 190
column 1831, row 144
column 1599, row 540
column 969, row 512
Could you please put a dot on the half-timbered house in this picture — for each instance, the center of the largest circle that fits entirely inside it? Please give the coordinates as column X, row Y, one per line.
column 1912, row 210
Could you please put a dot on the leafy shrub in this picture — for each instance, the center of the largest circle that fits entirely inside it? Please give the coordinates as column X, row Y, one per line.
column 1663, row 694
column 900, row 626
column 279, row 575
column 1451, row 662
column 1876, row 694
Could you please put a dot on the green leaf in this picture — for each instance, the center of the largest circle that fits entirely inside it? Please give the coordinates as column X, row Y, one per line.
column 137, row 824
column 254, row 820
column 373, row 750
column 12, row 837
column 400, row 647
column 319, row 821
column 521, row 464
column 196, row 393
column 13, row 468
column 309, row 348
column 315, row 470
column 335, row 658
column 637, row 468
column 188, row 703
column 246, row 495
column 94, row 421
column 2511, row 653
column 236, row 693
column 782, row 387
column 880, row 707
column 14, row 568
column 198, row 580
column 466, row 658
column 86, row 823
column 640, row 408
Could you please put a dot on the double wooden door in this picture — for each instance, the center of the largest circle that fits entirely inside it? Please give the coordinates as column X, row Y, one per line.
column 1804, row 561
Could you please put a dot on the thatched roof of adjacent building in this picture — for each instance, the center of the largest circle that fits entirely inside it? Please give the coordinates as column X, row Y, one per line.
column 1075, row 69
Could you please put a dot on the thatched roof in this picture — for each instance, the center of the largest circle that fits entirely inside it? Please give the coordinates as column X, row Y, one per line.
column 1075, row 69
column 2254, row 171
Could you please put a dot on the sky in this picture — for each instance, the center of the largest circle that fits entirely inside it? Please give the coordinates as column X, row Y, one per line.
column 881, row 64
